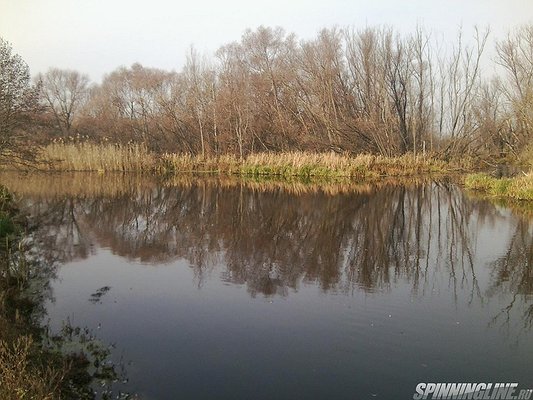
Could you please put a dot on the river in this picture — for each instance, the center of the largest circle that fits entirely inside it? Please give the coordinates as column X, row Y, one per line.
column 217, row 288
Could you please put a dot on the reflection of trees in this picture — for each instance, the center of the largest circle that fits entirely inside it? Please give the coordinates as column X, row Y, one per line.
column 59, row 220
column 35, row 362
column 512, row 274
column 273, row 240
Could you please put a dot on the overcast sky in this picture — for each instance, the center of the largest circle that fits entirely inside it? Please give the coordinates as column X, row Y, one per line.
column 96, row 36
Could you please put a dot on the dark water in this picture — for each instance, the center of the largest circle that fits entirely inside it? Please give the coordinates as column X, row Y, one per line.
column 235, row 290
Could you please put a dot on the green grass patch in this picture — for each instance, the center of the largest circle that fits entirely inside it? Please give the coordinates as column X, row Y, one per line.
column 519, row 188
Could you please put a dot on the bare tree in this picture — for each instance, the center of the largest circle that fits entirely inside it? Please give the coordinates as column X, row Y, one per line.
column 372, row 90
column 129, row 103
column 368, row 54
column 235, row 99
column 460, row 84
column 266, row 53
column 515, row 54
column 200, row 94
column 322, row 85
column 64, row 92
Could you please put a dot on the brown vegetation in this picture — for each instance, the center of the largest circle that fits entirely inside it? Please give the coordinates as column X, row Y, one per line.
column 86, row 156
column 371, row 91
column 94, row 157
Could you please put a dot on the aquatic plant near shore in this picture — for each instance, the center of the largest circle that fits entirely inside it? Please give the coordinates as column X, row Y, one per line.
column 519, row 188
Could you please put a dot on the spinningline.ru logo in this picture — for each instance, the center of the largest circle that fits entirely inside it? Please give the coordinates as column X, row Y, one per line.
column 475, row 391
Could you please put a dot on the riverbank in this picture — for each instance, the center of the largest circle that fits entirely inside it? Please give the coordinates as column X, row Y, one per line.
column 318, row 167
column 137, row 158
column 518, row 188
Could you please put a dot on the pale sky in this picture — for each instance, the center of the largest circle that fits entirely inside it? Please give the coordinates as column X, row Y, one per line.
column 97, row 36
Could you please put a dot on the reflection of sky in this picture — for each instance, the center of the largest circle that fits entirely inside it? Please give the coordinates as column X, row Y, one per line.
column 97, row 36
column 492, row 240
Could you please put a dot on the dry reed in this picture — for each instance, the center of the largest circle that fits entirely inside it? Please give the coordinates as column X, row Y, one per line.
column 136, row 157
column 97, row 157
column 303, row 164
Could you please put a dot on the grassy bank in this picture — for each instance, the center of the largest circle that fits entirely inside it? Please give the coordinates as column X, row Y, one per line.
column 519, row 188
column 133, row 157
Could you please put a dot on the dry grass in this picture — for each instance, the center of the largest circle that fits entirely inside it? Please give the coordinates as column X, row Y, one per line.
column 97, row 157
column 326, row 165
column 331, row 164
column 522, row 187
column 21, row 377
column 134, row 157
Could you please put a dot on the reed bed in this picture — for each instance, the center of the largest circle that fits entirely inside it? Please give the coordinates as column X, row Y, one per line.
column 302, row 164
column 136, row 157
column 87, row 156
column 336, row 165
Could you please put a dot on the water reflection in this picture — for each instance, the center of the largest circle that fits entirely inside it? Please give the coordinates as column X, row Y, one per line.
column 308, row 291
column 272, row 239
column 34, row 362
column 512, row 274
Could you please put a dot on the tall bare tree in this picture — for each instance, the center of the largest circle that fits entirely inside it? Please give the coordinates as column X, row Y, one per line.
column 64, row 92
column 460, row 84
column 515, row 54
column 371, row 90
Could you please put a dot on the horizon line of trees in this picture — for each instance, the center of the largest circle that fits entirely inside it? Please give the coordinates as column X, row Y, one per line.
column 369, row 90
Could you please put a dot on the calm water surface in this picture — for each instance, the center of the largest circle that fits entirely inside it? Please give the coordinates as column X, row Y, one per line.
column 218, row 289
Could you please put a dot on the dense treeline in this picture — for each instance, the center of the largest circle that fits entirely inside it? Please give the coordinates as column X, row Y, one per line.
column 371, row 90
